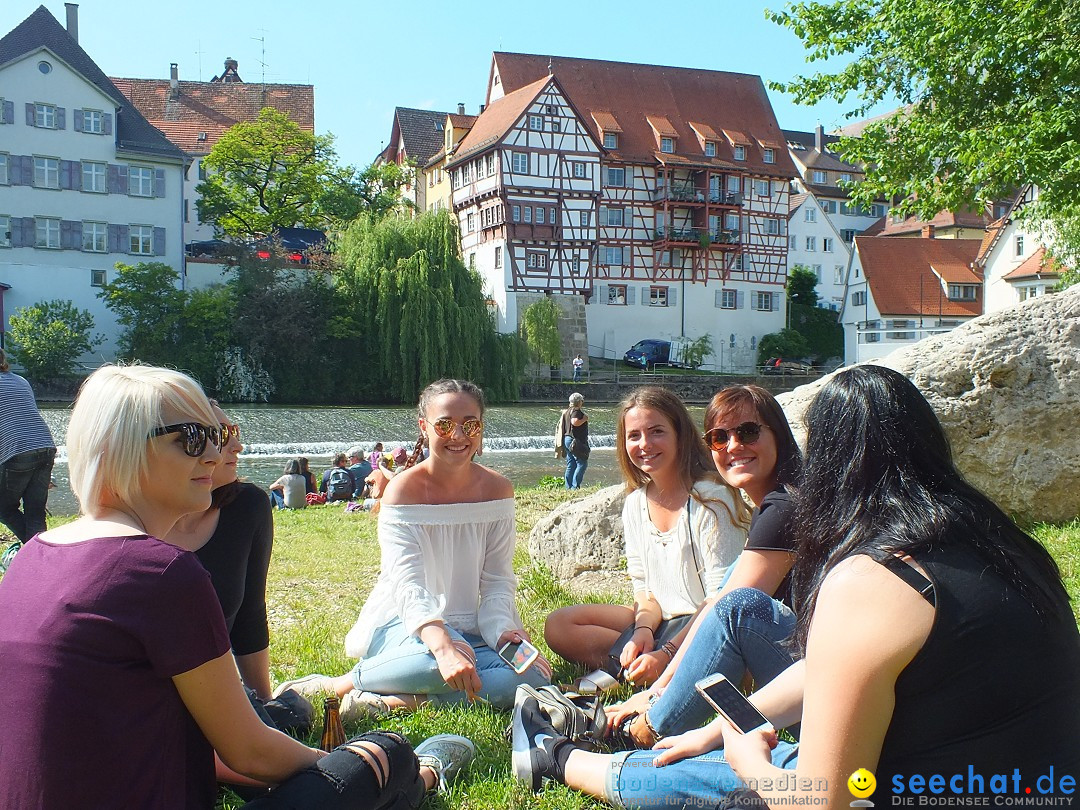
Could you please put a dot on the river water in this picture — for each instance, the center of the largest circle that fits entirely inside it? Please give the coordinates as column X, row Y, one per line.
column 518, row 441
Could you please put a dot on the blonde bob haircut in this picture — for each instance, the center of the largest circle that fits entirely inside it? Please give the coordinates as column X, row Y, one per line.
column 108, row 435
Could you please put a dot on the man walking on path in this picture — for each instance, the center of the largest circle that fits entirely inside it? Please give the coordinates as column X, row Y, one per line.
column 26, row 456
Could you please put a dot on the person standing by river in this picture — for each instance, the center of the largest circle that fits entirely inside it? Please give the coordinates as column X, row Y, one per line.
column 27, row 451
column 572, row 437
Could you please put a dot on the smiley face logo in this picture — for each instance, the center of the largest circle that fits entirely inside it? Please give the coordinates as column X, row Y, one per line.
column 861, row 783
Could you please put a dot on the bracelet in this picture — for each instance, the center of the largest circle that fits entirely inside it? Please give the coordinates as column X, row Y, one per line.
column 644, row 627
column 670, row 648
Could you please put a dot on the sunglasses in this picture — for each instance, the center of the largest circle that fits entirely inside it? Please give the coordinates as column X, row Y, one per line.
column 746, row 433
column 195, row 436
column 228, row 433
column 470, row 427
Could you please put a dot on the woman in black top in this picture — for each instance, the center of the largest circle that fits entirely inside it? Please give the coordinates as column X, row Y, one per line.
column 940, row 649
column 233, row 539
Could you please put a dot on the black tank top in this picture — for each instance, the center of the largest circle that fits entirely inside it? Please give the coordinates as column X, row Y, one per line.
column 994, row 692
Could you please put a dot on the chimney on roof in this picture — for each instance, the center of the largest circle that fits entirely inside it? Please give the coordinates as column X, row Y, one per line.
column 482, row 108
column 72, row 20
column 819, row 138
column 460, row 108
column 928, row 231
column 174, row 81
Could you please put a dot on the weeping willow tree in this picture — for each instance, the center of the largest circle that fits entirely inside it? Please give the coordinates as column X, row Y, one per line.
column 422, row 312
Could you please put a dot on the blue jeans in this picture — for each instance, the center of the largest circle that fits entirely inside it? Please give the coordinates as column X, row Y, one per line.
column 745, row 631
column 342, row 780
column 575, row 467
column 277, row 500
column 24, row 482
column 399, row 663
column 700, row 781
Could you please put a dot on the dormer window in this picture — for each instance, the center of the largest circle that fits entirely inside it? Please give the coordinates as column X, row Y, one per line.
column 667, row 145
column 740, row 152
column 845, row 178
column 710, row 149
column 611, row 140
column 769, row 155
column 819, row 177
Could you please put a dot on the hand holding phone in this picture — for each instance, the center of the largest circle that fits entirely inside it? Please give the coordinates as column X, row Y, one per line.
column 519, row 655
column 722, row 695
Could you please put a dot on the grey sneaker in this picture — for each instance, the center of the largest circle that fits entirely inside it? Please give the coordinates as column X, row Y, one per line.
column 356, row 705
column 446, row 754
column 308, row 686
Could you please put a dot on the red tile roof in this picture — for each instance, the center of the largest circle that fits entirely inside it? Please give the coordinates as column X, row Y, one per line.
column 993, row 231
column 632, row 92
column 943, row 220
column 905, row 275
column 497, row 119
column 1038, row 264
column 794, row 201
column 213, row 107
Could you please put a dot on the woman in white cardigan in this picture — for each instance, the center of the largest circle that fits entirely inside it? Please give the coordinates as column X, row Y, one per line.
column 683, row 528
column 444, row 601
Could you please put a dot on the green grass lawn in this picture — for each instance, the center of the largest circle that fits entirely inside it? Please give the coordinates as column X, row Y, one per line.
column 324, row 565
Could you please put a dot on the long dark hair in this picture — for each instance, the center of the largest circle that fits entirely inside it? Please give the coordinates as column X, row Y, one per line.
column 878, row 477
column 733, row 398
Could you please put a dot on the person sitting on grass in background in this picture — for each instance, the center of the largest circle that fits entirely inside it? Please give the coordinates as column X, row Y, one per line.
column 288, row 491
column 390, row 464
column 309, row 477
column 360, row 469
column 338, row 483
column 375, row 455
column 928, row 623
column 747, row 625
column 443, row 604
column 103, row 603
column 684, row 526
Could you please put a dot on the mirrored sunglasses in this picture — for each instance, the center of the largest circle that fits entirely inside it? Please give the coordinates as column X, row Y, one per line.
column 470, row 427
column 228, row 433
column 746, row 433
column 194, row 435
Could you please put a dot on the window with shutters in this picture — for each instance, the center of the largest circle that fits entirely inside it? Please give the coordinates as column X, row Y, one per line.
column 613, row 256
column 763, row 301
column 94, row 237
column 616, row 294
column 858, row 298
column 141, row 240
column 848, row 235
column 45, row 116
column 772, row 227
column 614, row 216
column 727, row 299
column 616, row 177
column 93, row 121
column 46, row 172
column 3, row 168
column 93, row 177
column 5, row 231
column 658, row 296
column 47, row 232
column 828, row 206
column 140, row 181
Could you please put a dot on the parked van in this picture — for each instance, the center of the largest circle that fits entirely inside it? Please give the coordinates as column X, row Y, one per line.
column 654, row 351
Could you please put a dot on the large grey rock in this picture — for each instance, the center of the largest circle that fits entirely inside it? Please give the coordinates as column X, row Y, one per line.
column 582, row 536
column 1006, row 387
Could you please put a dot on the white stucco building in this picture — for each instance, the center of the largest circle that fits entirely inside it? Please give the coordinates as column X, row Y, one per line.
column 1014, row 260
column 814, row 243
column 85, row 180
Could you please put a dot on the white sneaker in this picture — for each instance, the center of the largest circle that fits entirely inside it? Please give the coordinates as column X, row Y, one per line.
column 446, row 754
column 308, row 686
column 357, row 705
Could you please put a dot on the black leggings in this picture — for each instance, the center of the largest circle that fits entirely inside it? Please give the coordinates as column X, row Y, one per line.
column 344, row 781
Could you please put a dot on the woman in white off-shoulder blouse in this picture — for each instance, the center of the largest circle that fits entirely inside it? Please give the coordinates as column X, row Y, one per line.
column 444, row 601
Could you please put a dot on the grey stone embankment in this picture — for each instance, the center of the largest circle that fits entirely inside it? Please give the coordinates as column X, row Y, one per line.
column 1006, row 387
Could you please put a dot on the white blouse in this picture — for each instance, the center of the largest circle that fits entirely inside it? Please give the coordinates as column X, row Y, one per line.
column 681, row 566
column 447, row 562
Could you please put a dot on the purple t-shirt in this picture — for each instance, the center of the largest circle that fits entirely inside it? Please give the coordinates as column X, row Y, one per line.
column 91, row 634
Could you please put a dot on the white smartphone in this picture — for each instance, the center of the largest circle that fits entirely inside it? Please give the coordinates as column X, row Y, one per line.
column 519, row 655
column 722, row 695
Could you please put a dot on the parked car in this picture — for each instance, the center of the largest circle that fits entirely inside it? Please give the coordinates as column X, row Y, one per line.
column 207, row 249
column 785, row 365
column 653, row 351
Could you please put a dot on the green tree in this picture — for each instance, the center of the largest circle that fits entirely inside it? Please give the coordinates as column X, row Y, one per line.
column 785, row 343
column 267, row 174
column 990, row 88
column 698, row 349
column 376, row 191
column 417, row 311
column 149, row 305
column 540, row 329
column 802, row 286
column 819, row 327
column 48, row 337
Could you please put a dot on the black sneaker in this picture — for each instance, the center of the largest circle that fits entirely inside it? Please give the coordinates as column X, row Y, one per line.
column 534, row 740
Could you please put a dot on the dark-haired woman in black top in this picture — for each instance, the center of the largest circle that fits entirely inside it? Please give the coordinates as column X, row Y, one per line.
column 233, row 539
column 940, row 648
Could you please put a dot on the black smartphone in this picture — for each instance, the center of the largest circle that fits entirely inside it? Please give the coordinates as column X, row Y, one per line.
column 722, row 695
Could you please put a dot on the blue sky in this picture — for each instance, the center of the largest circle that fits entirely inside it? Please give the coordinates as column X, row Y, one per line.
column 365, row 58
